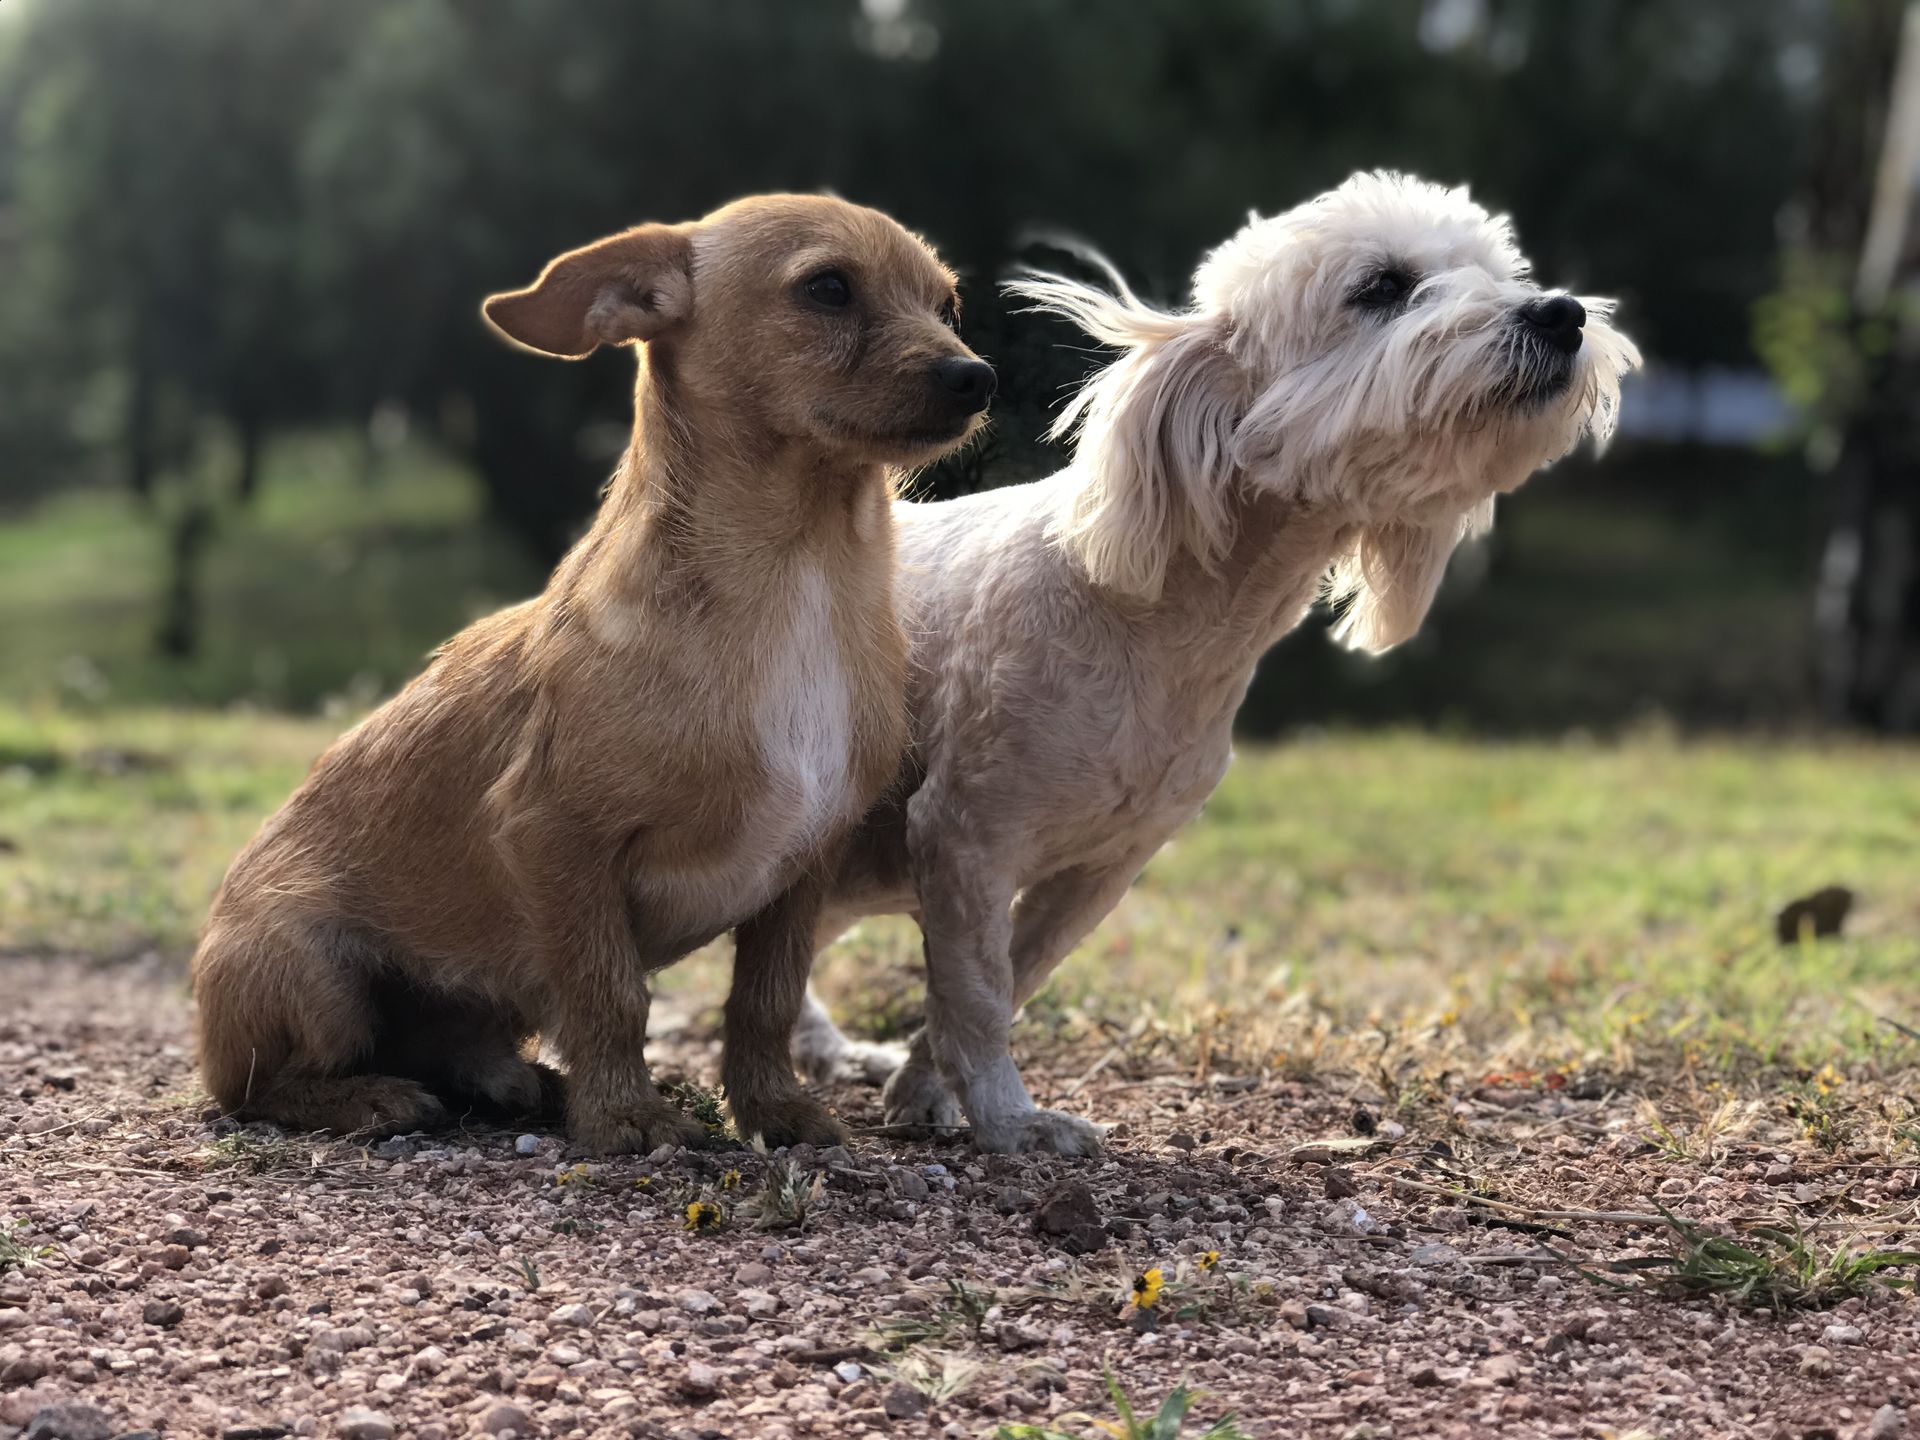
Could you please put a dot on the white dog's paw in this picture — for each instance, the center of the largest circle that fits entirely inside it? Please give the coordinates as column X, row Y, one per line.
column 823, row 1055
column 1050, row 1132
column 865, row 1062
column 916, row 1095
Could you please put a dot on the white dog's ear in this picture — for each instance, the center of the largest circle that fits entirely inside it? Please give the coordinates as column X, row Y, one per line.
column 1384, row 585
column 630, row 286
column 1155, row 444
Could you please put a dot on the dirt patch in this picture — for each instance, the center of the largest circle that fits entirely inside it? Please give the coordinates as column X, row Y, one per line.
column 178, row 1276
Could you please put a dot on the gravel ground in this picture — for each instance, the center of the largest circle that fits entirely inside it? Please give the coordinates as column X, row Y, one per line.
column 194, row 1281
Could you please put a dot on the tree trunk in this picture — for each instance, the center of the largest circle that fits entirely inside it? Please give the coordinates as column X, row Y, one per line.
column 178, row 637
column 252, row 437
column 142, row 461
column 1867, row 609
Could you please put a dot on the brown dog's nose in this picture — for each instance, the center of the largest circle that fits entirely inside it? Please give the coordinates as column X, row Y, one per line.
column 970, row 382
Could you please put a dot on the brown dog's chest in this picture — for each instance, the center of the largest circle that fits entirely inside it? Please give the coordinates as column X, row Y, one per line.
column 822, row 733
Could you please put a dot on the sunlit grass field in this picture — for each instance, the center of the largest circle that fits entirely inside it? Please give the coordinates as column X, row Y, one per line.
column 331, row 586
column 1550, row 901
column 1535, row 903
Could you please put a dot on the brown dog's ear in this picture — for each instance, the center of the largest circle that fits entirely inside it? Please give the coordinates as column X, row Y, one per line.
column 630, row 286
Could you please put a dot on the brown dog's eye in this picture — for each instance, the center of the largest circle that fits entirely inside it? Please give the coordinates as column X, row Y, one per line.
column 830, row 288
column 950, row 312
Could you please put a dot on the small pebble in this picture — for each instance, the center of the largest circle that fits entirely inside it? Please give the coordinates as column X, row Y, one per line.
column 700, row 1381
column 503, row 1417
column 357, row 1424
column 69, row 1421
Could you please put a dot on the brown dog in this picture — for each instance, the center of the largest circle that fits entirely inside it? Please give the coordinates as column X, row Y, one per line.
column 673, row 740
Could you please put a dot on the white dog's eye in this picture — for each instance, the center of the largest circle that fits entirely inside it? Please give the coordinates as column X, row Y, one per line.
column 1381, row 290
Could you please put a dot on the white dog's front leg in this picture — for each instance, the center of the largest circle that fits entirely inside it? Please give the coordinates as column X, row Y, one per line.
column 966, row 916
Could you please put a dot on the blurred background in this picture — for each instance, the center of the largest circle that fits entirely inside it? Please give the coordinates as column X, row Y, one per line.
column 255, row 445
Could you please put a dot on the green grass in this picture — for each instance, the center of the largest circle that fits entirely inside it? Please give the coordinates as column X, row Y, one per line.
column 1536, row 901
column 1605, row 891
column 1523, row 902
column 1528, row 902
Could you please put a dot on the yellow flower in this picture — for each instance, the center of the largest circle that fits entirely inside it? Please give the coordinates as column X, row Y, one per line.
column 574, row 1175
column 730, row 1180
column 703, row 1215
column 1147, row 1287
column 1209, row 1259
column 643, row 1182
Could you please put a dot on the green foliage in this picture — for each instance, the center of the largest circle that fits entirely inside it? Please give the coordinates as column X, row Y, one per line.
column 1823, row 354
column 253, row 1152
column 1778, row 1270
column 701, row 1102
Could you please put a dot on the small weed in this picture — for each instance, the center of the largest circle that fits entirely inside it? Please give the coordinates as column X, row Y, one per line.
column 256, row 1154
column 13, row 1254
column 1774, row 1269
column 580, row 1176
column 963, row 1311
column 1825, row 1118
column 1702, row 1144
column 787, row 1199
column 938, row 1375
column 1165, row 1424
column 701, row 1103
column 526, row 1272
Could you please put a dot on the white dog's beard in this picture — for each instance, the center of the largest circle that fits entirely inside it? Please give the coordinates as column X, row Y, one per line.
column 1539, row 375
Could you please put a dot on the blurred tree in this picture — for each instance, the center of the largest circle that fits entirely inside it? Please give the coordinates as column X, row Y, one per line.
column 251, row 215
column 159, row 220
column 1842, row 334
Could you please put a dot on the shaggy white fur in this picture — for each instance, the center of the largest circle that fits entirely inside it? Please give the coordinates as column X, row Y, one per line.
column 1354, row 383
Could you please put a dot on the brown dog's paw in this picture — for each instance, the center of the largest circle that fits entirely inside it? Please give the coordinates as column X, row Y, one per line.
column 634, row 1131
column 505, row 1084
column 795, row 1121
column 383, row 1105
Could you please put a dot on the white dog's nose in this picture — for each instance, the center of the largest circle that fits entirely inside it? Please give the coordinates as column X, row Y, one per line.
column 1558, row 318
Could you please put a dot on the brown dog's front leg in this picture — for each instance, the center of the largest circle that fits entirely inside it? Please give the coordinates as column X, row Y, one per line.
column 773, row 951
column 598, row 1005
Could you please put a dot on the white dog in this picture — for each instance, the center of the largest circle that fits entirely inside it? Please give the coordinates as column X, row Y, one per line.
column 1354, row 383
